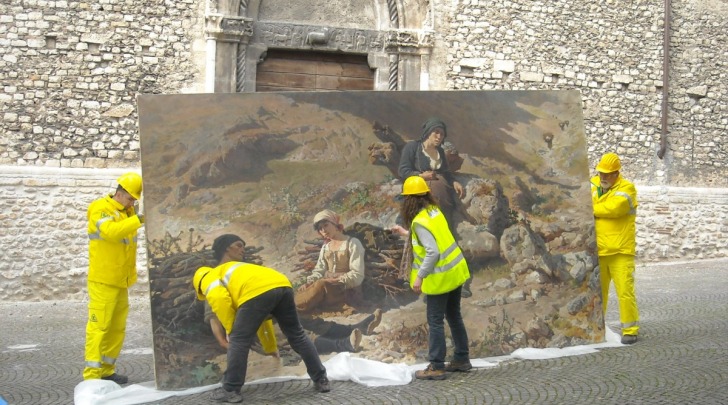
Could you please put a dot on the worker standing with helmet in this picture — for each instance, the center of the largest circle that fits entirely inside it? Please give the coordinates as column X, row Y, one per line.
column 615, row 209
column 438, row 270
column 112, row 231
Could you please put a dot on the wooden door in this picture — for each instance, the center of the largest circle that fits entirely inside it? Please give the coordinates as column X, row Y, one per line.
column 284, row 70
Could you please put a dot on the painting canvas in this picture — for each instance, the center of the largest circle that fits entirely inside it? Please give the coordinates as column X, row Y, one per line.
column 262, row 165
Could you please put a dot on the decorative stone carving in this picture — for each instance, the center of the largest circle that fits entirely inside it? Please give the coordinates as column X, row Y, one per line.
column 393, row 13
column 227, row 28
column 393, row 82
column 240, row 68
column 285, row 35
column 408, row 41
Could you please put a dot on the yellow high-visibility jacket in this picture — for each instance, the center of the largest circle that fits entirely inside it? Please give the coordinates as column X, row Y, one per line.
column 614, row 214
column 112, row 245
column 451, row 269
column 230, row 285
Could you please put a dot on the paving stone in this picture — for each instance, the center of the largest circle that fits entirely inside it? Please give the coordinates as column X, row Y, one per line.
column 681, row 358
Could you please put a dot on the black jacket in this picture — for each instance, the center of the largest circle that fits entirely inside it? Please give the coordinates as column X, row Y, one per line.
column 414, row 161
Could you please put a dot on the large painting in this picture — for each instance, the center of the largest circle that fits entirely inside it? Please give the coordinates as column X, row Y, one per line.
column 263, row 165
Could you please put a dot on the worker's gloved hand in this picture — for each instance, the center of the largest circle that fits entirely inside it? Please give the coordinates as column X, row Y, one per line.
column 138, row 210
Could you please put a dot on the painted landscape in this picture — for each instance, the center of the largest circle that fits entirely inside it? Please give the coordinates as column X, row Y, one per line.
column 261, row 165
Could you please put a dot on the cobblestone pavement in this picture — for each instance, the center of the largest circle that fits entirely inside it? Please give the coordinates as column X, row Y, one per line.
column 682, row 357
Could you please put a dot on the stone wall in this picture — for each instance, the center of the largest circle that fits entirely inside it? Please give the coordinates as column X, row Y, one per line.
column 612, row 51
column 70, row 72
column 681, row 223
column 45, row 247
column 44, row 237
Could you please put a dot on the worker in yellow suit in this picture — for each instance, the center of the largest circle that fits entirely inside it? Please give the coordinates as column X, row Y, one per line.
column 615, row 209
column 112, row 231
column 244, row 296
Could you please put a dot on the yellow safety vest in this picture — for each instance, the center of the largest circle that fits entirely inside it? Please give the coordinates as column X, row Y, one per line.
column 451, row 270
column 230, row 285
column 614, row 217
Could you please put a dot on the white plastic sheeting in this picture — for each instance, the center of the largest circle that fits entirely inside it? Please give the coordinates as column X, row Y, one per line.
column 342, row 367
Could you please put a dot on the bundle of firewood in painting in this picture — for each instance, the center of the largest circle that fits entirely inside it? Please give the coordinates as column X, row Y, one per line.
column 173, row 262
column 384, row 284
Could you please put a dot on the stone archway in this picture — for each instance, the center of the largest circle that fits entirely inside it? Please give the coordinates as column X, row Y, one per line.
column 237, row 38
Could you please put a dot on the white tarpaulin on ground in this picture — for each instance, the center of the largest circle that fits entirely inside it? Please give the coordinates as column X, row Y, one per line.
column 342, row 367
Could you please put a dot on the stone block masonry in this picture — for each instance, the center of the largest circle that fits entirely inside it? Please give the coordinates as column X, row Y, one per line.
column 70, row 72
column 681, row 223
column 613, row 53
column 44, row 231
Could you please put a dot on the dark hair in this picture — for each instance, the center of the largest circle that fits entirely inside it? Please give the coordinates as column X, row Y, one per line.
column 413, row 204
column 222, row 242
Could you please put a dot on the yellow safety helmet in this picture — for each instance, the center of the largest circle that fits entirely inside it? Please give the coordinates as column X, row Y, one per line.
column 609, row 164
column 197, row 281
column 132, row 183
column 415, row 185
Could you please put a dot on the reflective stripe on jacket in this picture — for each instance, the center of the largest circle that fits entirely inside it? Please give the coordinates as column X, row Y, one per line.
column 614, row 215
column 451, row 269
column 112, row 245
column 230, row 285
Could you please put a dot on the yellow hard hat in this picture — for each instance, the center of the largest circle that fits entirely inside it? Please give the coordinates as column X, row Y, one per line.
column 197, row 281
column 610, row 163
column 132, row 183
column 415, row 185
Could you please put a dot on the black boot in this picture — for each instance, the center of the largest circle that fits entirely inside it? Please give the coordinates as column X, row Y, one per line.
column 465, row 292
column 351, row 343
column 325, row 345
column 364, row 324
column 339, row 331
column 322, row 327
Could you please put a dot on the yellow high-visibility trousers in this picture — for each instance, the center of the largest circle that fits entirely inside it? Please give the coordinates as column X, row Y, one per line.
column 108, row 308
column 620, row 269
